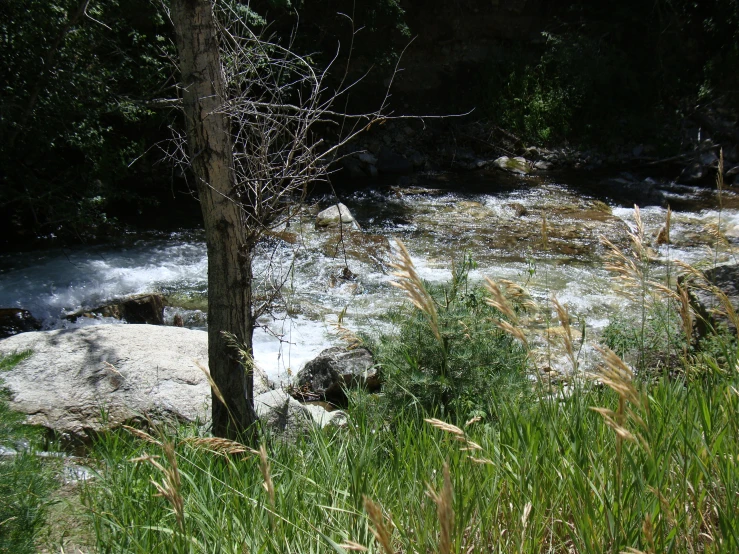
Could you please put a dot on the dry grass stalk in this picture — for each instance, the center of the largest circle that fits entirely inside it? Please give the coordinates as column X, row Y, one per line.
column 663, row 236
column 616, row 375
column 686, row 314
column 715, row 232
column 515, row 332
column 525, row 522
column 141, row 435
column 247, row 360
column 382, row 529
column 445, row 511
column 637, row 236
column 409, row 281
column 664, row 505
column 698, row 279
column 518, row 295
column 353, row 546
column 544, row 233
column 212, row 383
column 222, row 447
column 349, row 337
column 446, row 427
column 648, row 530
column 264, row 468
column 498, row 300
column 627, row 271
column 566, row 335
column 171, row 485
column 485, row 461
column 456, row 433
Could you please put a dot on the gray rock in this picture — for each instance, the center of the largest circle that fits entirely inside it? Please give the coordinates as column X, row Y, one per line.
column 367, row 158
column 352, row 167
column 418, row 160
column 392, row 162
column 692, row 173
column 100, row 376
column 337, row 368
column 323, row 418
column 16, row 320
column 282, row 415
column 330, row 217
column 513, row 165
column 72, row 474
column 707, row 306
column 519, row 209
column 139, row 308
column 709, row 158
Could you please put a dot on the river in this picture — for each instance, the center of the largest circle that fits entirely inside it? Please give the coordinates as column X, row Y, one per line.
column 497, row 221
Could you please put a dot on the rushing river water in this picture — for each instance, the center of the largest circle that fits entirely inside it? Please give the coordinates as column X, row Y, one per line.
column 498, row 222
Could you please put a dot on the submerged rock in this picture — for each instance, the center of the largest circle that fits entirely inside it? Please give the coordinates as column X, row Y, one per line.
column 514, row 165
column 139, row 308
column 337, row 368
column 101, row 376
column 16, row 320
column 331, row 217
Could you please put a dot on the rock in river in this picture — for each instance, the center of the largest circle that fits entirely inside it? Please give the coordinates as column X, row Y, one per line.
column 513, row 165
column 336, row 368
column 331, row 217
column 100, row 376
column 16, row 320
column 707, row 306
column 139, row 308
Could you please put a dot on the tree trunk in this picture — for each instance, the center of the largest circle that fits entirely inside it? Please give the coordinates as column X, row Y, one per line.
column 229, row 256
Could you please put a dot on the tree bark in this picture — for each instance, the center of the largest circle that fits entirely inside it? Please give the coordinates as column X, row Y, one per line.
column 229, row 256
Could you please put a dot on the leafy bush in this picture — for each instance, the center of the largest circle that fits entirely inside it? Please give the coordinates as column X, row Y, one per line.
column 657, row 346
column 457, row 373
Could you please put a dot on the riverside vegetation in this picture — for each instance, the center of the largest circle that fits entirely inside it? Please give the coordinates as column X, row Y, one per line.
column 25, row 482
column 465, row 451
column 469, row 449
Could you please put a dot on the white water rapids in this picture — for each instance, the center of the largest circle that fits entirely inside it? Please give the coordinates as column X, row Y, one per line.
column 500, row 227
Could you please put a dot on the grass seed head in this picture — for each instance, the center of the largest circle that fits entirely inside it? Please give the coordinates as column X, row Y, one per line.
column 408, row 280
column 382, row 529
column 445, row 511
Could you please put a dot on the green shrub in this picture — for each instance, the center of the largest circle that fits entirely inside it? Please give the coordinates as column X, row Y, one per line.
column 657, row 346
column 457, row 374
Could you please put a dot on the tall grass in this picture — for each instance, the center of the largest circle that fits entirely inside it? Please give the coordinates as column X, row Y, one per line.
column 547, row 476
column 25, row 481
column 629, row 461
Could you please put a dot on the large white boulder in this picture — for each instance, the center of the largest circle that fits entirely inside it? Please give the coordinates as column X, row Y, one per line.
column 100, row 376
